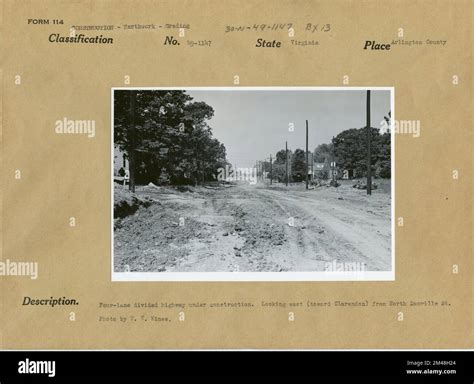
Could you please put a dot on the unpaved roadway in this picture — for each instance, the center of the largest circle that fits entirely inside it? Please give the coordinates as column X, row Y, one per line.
column 258, row 228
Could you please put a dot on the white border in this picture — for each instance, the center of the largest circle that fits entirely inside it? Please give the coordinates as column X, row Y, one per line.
column 257, row 276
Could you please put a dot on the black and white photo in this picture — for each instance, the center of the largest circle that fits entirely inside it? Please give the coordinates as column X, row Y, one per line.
column 266, row 183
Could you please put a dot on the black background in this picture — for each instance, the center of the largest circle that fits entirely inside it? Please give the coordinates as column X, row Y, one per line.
column 361, row 366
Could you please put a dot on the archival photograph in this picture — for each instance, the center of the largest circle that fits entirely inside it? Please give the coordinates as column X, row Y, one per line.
column 279, row 183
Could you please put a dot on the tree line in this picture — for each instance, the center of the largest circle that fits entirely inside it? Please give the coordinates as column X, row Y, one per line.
column 348, row 150
column 166, row 136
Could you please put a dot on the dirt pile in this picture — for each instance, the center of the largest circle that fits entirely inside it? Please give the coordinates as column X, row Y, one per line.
column 363, row 185
column 152, row 239
column 258, row 233
column 127, row 203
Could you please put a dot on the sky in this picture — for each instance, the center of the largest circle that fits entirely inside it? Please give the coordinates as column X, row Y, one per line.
column 253, row 124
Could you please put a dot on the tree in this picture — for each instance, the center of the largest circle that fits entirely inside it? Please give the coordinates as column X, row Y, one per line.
column 172, row 136
column 384, row 163
column 323, row 153
column 298, row 165
column 350, row 150
column 280, row 157
column 279, row 165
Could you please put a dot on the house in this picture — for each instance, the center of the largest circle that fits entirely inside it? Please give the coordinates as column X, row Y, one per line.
column 120, row 160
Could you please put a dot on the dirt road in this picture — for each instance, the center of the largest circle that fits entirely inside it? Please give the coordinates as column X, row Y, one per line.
column 255, row 228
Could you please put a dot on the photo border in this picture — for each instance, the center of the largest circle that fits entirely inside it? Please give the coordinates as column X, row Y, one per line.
column 258, row 276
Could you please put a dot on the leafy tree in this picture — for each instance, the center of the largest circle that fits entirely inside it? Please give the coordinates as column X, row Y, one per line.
column 280, row 156
column 171, row 136
column 383, row 163
column 279, row 165
column 323, row 153
column 350, row 150
column 298, row 165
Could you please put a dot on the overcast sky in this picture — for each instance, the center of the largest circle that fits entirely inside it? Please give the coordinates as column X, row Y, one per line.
column 254, row 124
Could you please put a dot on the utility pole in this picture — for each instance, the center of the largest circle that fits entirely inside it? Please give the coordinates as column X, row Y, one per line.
column 271, row 170
column 331, row 158
column 307, row 164
column 132, row 144
column 286, row 161
column 369, row 165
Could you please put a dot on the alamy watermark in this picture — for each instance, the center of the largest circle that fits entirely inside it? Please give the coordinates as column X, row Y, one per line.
column 238, row 174
column 19, row 268
column 46, row 367
column 404, row 127
column 77, row 127
column 342, row 266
